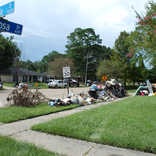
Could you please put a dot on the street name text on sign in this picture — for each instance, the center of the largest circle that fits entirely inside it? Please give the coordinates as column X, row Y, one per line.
column 66, row 72
column 7, row 9
column 7, row 26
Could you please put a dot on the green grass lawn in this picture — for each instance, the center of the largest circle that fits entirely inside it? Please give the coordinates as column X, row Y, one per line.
column 8, row 84
column 40, row 85
column 131, row 91
column 130, row 123
column 12, row 147
column 15, row 113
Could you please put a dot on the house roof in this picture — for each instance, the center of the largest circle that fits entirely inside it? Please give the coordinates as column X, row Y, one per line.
column 21, row 71
column 48, row 74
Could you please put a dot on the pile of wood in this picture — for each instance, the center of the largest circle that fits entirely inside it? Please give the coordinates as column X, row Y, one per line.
column 25, row 97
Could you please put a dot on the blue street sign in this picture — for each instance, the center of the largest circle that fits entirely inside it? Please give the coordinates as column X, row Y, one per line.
column 7, row 26
column 7, row 9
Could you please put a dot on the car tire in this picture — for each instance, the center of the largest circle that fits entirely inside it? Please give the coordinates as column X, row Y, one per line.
column 65, row 86
column 56, row 86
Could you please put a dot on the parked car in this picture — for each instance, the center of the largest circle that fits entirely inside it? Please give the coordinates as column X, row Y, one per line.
column 49, row 80
column 1, row 84
column 72, row 82
column 143, row 84
column 89, row 82
column 57, row 84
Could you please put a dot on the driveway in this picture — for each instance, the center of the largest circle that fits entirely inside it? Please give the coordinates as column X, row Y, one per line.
column 58, row 93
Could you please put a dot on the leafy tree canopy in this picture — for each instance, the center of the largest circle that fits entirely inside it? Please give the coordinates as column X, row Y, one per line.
column 120, row 51
column 7, row 49
column 143, row 39
column 108, row 68
column 80, row 43
column 56, row 67
column 43, row 65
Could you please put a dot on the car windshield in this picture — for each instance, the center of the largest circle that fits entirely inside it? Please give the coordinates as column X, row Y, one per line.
column 56, row 81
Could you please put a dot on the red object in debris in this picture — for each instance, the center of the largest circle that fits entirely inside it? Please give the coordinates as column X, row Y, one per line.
column 26, row 86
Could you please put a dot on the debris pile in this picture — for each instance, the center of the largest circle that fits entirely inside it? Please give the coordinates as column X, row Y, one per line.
column 81, row 99
column 25, row 97
column 149, row 90
column 98, row 92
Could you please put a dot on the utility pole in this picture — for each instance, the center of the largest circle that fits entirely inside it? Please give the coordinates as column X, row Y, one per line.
column 86, row 70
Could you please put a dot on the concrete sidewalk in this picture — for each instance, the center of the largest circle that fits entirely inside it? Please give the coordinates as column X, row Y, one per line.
column 72, row 147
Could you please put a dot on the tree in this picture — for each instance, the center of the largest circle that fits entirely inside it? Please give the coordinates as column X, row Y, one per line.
column 7, row 47
column 43, row 65
column 144, row 36
column 17, row 61
column 119, row 54
column 108, row 68
column 34, row 66
column 83, row 45
column 54, row 54
column 29, row 65
column 133, row 73
column 106, row 53
column 142, row 71
column 151, row 74
column 56, row 67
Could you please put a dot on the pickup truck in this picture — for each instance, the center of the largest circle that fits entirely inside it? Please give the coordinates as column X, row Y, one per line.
column 57, row 84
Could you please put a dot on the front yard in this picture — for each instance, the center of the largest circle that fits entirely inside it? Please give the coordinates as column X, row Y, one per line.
column 129, row 123
column 16, row 113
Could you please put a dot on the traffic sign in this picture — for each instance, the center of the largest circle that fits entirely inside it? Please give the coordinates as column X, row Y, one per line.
column 104, row 78
column 7, row 9
column 7, row 26
column 66, row 72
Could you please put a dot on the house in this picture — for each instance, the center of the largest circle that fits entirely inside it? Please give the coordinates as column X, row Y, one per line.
column 24, row 75
column 48, row 75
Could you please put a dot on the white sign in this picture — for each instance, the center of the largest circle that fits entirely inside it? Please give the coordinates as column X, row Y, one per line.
column 66, row 72
column 149, row 86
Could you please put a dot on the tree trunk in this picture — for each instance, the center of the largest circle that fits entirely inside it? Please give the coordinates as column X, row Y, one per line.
column 124, row 82
column 16, row 76
column 86, row 70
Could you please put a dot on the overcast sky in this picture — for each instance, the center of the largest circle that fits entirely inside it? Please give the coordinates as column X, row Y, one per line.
column 47, row 23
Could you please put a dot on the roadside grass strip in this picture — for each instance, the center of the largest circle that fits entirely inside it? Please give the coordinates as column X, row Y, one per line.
column 40, row 85
column 16, row 113
column 131, row 91
column 130, row 123
column 11, row 147
column 2, row 89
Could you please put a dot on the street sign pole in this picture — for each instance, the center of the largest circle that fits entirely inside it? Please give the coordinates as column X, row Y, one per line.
column 67, row 88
